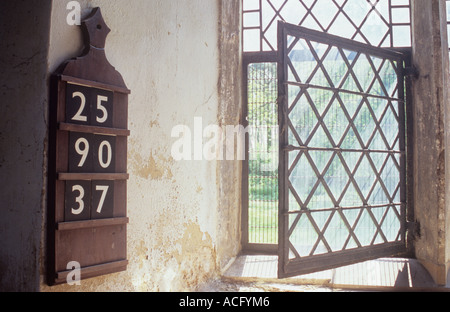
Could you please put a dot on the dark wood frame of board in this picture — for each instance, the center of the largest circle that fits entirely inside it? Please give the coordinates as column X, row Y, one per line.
column 87, row 178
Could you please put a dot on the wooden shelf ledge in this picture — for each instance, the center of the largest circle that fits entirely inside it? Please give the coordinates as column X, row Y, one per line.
column 63, row 126
column 79, row 225
column 95, row 270
column 63, row 176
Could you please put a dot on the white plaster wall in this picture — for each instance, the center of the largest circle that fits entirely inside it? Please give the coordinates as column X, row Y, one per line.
column 166, row 51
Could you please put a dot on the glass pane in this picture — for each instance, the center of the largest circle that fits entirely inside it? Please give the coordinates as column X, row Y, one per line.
column 320, row 139
column 250, row 5
column 320, row 199
column 252, row 40
column 336, row 233
column 342, row 27
column 303, row 119
column 364, row 73
column 351, row 102
column 365, row 229
column 378, row 196
column 391, row 225
column 321, row 99
column 378, row 106
column 336, row 178
column 351, row 198
column 303, row 236
column 400, row 15
column 400, row 2
column 321, row 159
column 365, row 177
column 302, row 60
column 322, row 221
column 293, row 12
column 324, row 12
column 303, row 178
column 251, row 19
column 357, row 10
column 375, row 29
column 390, row 125
column 336, row 122
column 335, row 66
column 365, row 123
column 388, row 77
column 390, row 176
column 263, row 153
column 402, row 36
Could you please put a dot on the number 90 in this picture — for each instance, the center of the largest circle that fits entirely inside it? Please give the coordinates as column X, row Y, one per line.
column 91, row 153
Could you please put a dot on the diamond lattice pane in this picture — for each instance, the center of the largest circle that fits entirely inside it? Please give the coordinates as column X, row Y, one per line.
column 303, row 119
column 336, row 233
column 389, row 78
column 303, row 178
column 320, row 199
column 336, row 122
column 365, row 177
column 321, row 99
column 391, row 176
column 324, row 12
column 293, row 12
column 335, row 66
column 365, row 229
column 351, row 197
column 375, row 29
column 390, row 125
column 357, row 10
column 363, row 72
column 303, row 61
column 391, row 225
column 303, row 235
column 365, row 123
column 336, row 177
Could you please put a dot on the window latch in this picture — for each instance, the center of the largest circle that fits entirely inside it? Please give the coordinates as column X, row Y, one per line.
column 411, row 72
column 413, row 227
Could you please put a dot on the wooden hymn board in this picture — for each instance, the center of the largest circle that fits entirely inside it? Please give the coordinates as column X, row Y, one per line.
column 87, row 196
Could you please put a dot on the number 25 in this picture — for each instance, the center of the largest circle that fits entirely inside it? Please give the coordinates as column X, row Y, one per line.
column 100, row 107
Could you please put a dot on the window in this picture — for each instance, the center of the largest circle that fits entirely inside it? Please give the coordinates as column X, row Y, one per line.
column 380, row 23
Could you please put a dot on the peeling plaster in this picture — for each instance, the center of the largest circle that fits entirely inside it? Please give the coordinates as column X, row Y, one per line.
column 151, row 168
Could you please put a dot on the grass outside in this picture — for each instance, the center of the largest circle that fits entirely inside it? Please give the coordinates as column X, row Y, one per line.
column 263, row 222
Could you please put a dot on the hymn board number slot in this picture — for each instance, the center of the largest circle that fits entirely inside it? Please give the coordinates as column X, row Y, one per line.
column 89, row 200
column 91, row 153
column 89, row 106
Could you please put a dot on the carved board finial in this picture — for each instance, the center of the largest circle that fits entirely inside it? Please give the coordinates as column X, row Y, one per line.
column 95, row 29
column 93, row 64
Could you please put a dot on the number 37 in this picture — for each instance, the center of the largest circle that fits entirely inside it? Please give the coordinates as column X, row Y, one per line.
column 89, row 200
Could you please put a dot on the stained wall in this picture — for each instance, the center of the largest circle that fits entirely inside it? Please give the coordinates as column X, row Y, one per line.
column 169, row 55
